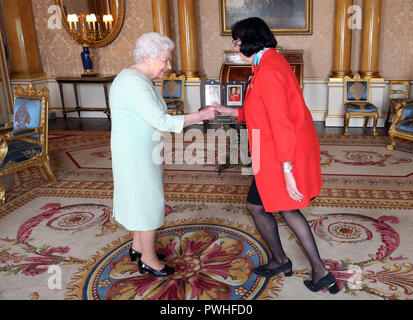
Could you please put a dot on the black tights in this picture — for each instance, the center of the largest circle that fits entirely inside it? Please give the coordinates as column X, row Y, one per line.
column 268, row 228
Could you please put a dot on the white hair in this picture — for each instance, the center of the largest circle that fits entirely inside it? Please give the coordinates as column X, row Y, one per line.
column 152, row 45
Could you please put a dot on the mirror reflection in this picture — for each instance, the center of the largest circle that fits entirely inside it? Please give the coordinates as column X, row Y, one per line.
column 95, row 23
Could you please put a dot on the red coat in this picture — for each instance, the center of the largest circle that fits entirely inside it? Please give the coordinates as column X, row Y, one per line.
column 274, row 105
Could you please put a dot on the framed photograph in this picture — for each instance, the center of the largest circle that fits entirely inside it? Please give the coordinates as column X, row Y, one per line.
column 282, row 16
column 234, row 95
column 211, row 93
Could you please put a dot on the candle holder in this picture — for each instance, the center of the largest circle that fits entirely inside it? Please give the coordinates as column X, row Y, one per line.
column 96, row 24
column 87, row 29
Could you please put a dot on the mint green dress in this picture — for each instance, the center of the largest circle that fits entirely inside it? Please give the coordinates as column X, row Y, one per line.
column 138, row 114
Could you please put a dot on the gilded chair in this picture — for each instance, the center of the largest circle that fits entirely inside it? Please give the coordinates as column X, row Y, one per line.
column 398, row 92
column 357, row 102
column 402, row 124
column 173, row 92
column 26, row 145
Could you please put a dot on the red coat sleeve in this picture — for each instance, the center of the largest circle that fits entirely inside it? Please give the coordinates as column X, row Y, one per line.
column 273, row 88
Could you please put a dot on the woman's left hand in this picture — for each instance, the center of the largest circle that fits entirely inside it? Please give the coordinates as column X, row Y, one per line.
column 208, row 113
column 292, row 187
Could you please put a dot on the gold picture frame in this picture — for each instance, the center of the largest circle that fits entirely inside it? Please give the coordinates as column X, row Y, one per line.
column 284, row 17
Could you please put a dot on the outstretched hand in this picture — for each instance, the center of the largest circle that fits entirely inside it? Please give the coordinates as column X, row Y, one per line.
column 225, row 110
column 209, row 113
column 292, row 187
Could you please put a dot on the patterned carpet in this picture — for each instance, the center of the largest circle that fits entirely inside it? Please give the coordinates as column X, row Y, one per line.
column 58, row 240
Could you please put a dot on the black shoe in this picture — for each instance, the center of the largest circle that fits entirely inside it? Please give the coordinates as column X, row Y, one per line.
column 166, row 271
column 263, row 271
column 328, row 282
column 136, row 255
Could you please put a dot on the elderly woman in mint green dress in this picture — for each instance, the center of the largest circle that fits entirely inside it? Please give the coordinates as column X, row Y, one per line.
column 138, row 114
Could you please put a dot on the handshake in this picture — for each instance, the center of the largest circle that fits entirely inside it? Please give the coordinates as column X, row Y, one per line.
column 210, row 112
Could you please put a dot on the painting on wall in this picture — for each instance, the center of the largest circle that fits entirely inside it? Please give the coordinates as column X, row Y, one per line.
column 282, row 16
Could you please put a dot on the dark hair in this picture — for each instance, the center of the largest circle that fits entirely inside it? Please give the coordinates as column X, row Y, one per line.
column 254, row 34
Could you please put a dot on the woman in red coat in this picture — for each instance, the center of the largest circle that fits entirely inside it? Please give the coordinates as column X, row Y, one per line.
column 284, row 148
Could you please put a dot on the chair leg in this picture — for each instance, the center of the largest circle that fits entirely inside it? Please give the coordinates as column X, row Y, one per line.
column 375, row 121
column 366, row 120
column 392, row 144
column 48, row 171
column 390, row 112
column 346, row 123
column 2, row 193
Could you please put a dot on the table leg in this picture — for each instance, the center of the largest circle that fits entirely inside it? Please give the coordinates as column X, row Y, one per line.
column 244, row 153
column 224, row 166
column 77, row 99
column 105, row 88
column 232, row 158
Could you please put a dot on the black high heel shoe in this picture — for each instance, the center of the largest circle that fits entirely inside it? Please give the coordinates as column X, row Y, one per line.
column 136, row 255
column 328, row 282
column 166, row 271
column 287, row 268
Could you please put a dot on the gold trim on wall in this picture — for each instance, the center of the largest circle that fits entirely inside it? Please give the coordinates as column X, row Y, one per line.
column 308, row 30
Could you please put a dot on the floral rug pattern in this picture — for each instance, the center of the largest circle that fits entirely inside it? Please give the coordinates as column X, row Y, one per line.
column 58, row 241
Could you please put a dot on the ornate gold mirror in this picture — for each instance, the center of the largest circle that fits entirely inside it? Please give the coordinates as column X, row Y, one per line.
column 93, row 23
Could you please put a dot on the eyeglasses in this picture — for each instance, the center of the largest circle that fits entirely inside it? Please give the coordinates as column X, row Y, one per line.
column 236, row 43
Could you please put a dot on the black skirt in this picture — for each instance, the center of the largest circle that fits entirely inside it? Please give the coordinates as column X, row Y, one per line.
column 253, row 194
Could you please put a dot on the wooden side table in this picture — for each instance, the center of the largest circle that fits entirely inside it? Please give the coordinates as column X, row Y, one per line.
column 105, row 80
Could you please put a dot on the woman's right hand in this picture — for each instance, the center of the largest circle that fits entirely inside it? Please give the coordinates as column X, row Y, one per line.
column 226, row 111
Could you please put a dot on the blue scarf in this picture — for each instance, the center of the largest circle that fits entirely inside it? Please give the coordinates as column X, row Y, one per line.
column 257, row 58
